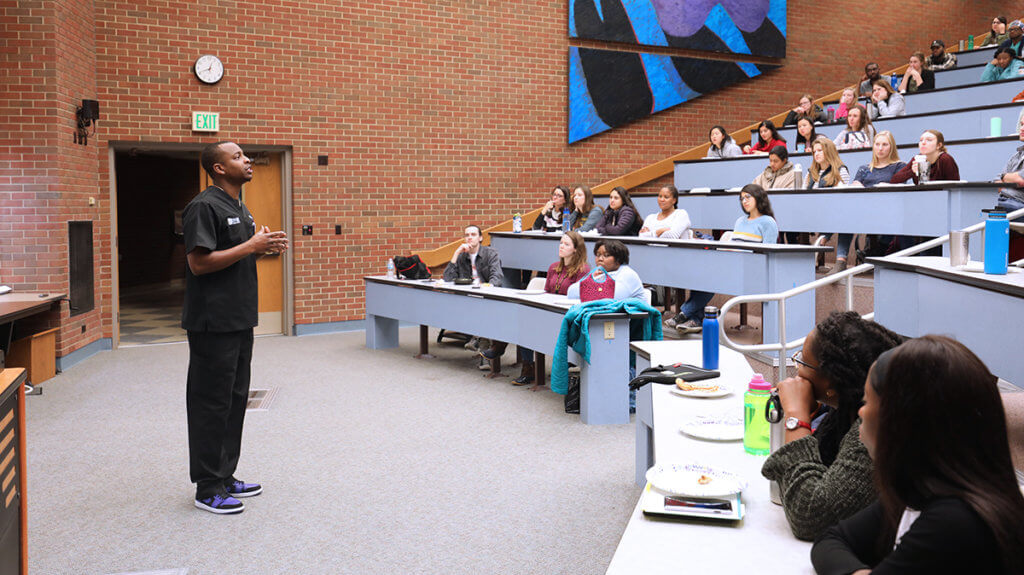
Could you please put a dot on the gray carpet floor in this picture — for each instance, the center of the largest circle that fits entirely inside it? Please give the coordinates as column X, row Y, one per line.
column 371, row 461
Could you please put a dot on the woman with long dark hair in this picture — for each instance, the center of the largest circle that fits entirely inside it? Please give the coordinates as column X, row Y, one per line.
column 722, row 145
column 756, row 225
column 948, row 499
column 824, row 472
column 621, row 218
column 767, row 138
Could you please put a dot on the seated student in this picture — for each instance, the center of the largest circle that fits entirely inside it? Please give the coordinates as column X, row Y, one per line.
column 940, row 59
column 871, row 73
column 885, row 162
column 1005, row 66
column 570, row 268
column 805, row 134
column 858, row 133
column 550, row 217
column 849, row 98
column 722, row 145
column 779, row 173
column 997, row 34
column 613, row 255
column 885, row 102
column 917, row 78
column 828, row 171
column 941, row 166
column 670, row 222
column 1015, row 42
column 824, row 473
column 948, row 500
column 585, row 214
column 621, row 217
column 1012, row 199
column 767, row 139
column 472, row 260
column 757, row 225
column 805, row 108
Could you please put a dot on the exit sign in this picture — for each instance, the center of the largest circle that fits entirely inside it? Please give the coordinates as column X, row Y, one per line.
column 205, row 121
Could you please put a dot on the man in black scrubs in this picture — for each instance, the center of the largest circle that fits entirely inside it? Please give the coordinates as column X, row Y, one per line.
column 222, row 245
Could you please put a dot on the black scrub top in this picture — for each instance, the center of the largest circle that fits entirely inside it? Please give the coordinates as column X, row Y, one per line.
column 224, row 300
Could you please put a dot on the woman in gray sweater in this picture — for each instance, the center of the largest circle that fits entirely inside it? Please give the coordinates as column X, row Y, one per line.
column 823, row 470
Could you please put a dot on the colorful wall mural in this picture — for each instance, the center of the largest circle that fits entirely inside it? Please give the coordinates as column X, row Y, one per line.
column 609, row 88
column 756, row 27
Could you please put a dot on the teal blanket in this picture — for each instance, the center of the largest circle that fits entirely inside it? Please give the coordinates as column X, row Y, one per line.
column 575, row 332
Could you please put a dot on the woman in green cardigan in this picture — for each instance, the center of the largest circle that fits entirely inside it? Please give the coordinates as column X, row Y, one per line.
column 823, row 469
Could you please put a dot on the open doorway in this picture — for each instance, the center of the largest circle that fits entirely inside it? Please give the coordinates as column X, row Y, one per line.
column 153, row 186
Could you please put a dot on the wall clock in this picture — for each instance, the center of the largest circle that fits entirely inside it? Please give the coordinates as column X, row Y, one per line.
column 209, row 69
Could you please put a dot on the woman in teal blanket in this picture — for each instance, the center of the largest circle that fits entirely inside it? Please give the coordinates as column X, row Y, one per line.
column 613, row 256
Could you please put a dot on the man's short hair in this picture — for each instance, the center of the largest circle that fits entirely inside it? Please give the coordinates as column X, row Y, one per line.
column 479, row 232
column 211, row 155
column 614, row 248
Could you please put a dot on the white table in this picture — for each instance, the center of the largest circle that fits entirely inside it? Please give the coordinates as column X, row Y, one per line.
column 761, row 542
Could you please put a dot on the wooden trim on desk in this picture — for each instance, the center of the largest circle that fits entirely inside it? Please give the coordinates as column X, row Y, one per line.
column 975, row 280
column 423, row 285
column 689, row 244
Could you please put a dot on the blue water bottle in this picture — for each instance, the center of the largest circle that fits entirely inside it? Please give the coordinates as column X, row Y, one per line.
column 565, row 219
column 997, row 241
column 709, row 331
column 894, row 81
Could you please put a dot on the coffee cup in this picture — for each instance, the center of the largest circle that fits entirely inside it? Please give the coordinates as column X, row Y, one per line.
column 959, row 252
column 922, row 166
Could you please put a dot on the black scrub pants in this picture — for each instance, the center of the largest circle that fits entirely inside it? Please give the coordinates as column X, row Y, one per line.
column 216, row 395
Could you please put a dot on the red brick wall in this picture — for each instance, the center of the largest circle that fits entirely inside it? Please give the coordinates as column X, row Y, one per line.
column 433, row 114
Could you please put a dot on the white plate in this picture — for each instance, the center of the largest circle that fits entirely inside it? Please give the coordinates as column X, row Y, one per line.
column 715, row 428
column 722, row 391
column 683, row 479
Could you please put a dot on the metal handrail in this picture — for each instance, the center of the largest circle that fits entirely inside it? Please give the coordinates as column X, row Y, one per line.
column 783, row 345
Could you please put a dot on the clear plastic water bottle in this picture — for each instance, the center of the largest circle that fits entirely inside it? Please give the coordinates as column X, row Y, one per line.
column 755, row 426
column 565, row 219
column 798, row 176
column 391, row 268
column 709, row 333
column 517, row 224
column 997, row 241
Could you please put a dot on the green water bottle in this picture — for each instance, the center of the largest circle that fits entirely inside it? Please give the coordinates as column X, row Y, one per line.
column 755, row 426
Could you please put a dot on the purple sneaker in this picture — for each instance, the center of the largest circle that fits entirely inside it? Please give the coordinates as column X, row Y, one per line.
column 242, row 489
column 221, row 504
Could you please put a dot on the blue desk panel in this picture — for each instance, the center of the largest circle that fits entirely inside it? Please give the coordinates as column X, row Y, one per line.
column 924, row 295
column 957, row 125
column 978, row 160
column 734, row 269
column 960, row 76
column 506, row 315
column 976, row 56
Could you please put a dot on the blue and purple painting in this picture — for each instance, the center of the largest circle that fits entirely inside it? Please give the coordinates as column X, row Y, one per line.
column 756, row 27
column 609, row 88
